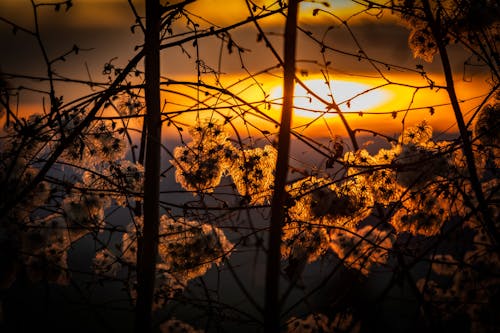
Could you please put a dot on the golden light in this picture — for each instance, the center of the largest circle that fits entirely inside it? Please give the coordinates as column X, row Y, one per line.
column 350, row 96
column 338, row 7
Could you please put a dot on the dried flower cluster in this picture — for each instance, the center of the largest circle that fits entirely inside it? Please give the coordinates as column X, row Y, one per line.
column 472, row 23
column 187, row 249
column 201, row 164
column 320, row 323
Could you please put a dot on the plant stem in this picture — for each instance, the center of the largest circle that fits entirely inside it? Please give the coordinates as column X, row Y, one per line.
column 272, row 307
column 464, row 133
column 148, row 239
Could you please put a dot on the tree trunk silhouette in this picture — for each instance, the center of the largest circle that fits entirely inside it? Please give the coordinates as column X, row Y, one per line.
column 489, row 224
column 148, row 239
column 272, row 306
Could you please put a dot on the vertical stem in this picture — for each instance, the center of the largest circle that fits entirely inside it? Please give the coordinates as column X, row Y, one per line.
column 464, row 133
column 272, row 306
column 148, row 239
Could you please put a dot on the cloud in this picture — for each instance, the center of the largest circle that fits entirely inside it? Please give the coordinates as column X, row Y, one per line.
column 82, row 13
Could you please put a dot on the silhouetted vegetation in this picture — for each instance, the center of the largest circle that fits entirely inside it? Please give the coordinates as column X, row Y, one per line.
column 104, row 217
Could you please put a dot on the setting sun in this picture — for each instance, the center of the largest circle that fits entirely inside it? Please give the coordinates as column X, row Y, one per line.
column 350, row 96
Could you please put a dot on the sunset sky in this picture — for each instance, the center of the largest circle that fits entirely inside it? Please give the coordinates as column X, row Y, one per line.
column 372, row 213
column 102, row 28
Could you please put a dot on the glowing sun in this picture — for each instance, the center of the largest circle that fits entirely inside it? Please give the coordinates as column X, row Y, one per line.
column 349, row 96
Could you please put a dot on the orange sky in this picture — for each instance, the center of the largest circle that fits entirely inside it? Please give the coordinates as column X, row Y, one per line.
column 382, row 110
column 106, row 13
column 104, row 26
